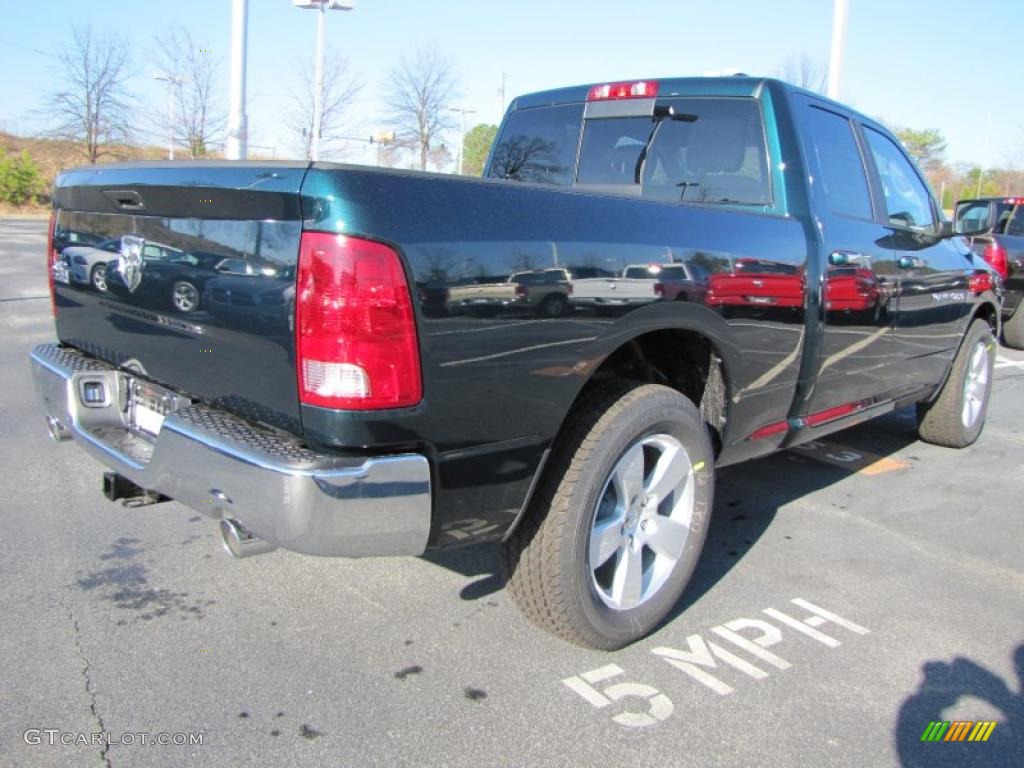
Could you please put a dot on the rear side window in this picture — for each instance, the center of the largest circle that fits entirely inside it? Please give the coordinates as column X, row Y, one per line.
column 906, row 197
column 840, row 164
column 539, row 145
column 1004, row 212
column 710, row 150
column 1016, row 225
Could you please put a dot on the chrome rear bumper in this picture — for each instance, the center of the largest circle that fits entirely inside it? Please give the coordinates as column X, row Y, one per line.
column 226, row 468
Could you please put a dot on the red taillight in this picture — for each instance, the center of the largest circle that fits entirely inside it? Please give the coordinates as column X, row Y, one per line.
column 659, row 289
column 52, row 256
column 1014, row 201
column 980, row 282
column 520, row 291
column 995, row 255
column 355, row 334
column 641, row 89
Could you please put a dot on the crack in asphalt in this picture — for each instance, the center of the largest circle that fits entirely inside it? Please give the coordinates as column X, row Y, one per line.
column 88, row 685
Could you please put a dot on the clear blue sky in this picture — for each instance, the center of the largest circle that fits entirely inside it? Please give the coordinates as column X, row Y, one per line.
column 919, row 63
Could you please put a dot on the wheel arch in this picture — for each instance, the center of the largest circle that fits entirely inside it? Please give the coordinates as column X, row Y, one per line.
column 988, row 311
column 697, row 359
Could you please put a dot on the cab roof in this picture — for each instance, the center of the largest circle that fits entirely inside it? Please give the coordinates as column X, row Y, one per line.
column 737, row 85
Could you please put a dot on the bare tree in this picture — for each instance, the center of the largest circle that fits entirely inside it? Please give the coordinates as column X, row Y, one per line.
column 440, row 157
column 199, row 116
column 340, row 90
column 92, row 107
column 420, row 88
column 804, row 72
column 389, row 154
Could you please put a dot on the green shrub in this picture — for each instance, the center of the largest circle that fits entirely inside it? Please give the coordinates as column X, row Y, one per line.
column 20, row 180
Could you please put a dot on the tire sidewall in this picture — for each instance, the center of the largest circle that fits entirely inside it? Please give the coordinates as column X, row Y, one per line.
column 980, row 332
column 668, row 413
column 1013, row 328
column 195, row 292
column 96, row 270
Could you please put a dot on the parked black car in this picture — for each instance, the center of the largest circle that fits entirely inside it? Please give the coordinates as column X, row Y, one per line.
column 168, row 277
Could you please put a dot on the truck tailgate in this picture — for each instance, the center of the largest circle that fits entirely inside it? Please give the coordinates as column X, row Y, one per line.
column 197, row 291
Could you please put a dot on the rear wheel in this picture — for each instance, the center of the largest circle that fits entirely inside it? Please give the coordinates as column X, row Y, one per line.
column 554, row 305
column 957, row 416
column 619, row 520
column 98, row 277
column 1013, row 329
column 185, row 296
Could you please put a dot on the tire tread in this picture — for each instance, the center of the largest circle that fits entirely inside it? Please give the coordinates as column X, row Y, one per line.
column 533, row 554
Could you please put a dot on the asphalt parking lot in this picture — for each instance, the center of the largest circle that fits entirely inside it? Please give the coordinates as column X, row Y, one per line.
column 851, row 592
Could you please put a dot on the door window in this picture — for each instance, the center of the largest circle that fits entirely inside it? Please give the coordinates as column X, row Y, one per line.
column 840, row 164
column 906, row 197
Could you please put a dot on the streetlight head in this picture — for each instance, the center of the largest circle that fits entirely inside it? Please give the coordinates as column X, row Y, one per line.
column 330, row 5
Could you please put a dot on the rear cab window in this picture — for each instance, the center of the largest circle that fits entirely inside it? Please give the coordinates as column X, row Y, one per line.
column 691, row 149
column 539, row 145
column 709, row 150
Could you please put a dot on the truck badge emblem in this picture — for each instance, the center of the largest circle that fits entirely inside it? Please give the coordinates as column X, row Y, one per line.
column 130, row 262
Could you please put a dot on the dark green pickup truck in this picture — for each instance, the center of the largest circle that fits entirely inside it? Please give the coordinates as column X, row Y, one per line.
column 286, row 364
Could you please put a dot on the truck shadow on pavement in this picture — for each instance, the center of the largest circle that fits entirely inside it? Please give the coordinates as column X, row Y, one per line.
column 943, row 686
column 747, row 499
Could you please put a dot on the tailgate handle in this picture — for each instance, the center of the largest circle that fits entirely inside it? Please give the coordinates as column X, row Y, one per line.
column 125, row 199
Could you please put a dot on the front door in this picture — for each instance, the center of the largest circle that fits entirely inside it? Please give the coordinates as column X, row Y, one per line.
column 931, row 285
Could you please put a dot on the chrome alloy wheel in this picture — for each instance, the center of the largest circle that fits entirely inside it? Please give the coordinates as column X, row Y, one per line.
column 975, row 385
column 642, row 522
column 99, row 278
column 185, row 297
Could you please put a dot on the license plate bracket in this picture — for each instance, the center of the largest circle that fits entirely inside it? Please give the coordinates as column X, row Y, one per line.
column 148, row 406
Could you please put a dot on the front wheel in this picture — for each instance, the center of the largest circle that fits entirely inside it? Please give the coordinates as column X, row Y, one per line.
column 956, row 417
column 554, row 305
column 185, row 296
column 98, row 277
column 619, row 519
column 1013, row 329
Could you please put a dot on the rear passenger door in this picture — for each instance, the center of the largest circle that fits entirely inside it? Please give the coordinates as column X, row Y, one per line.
column 930, row 300
column 857, row 261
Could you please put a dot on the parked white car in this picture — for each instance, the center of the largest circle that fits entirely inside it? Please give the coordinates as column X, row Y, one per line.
column 88, row 263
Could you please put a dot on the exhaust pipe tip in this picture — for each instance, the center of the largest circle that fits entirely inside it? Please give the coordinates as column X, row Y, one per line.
column 58, row 431
column 239, row 542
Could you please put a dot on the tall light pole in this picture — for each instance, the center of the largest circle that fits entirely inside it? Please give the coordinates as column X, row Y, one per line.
column 171, row 81
column 835, row 59
column 321, row 7
column 462, row 138
column 238, row 129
